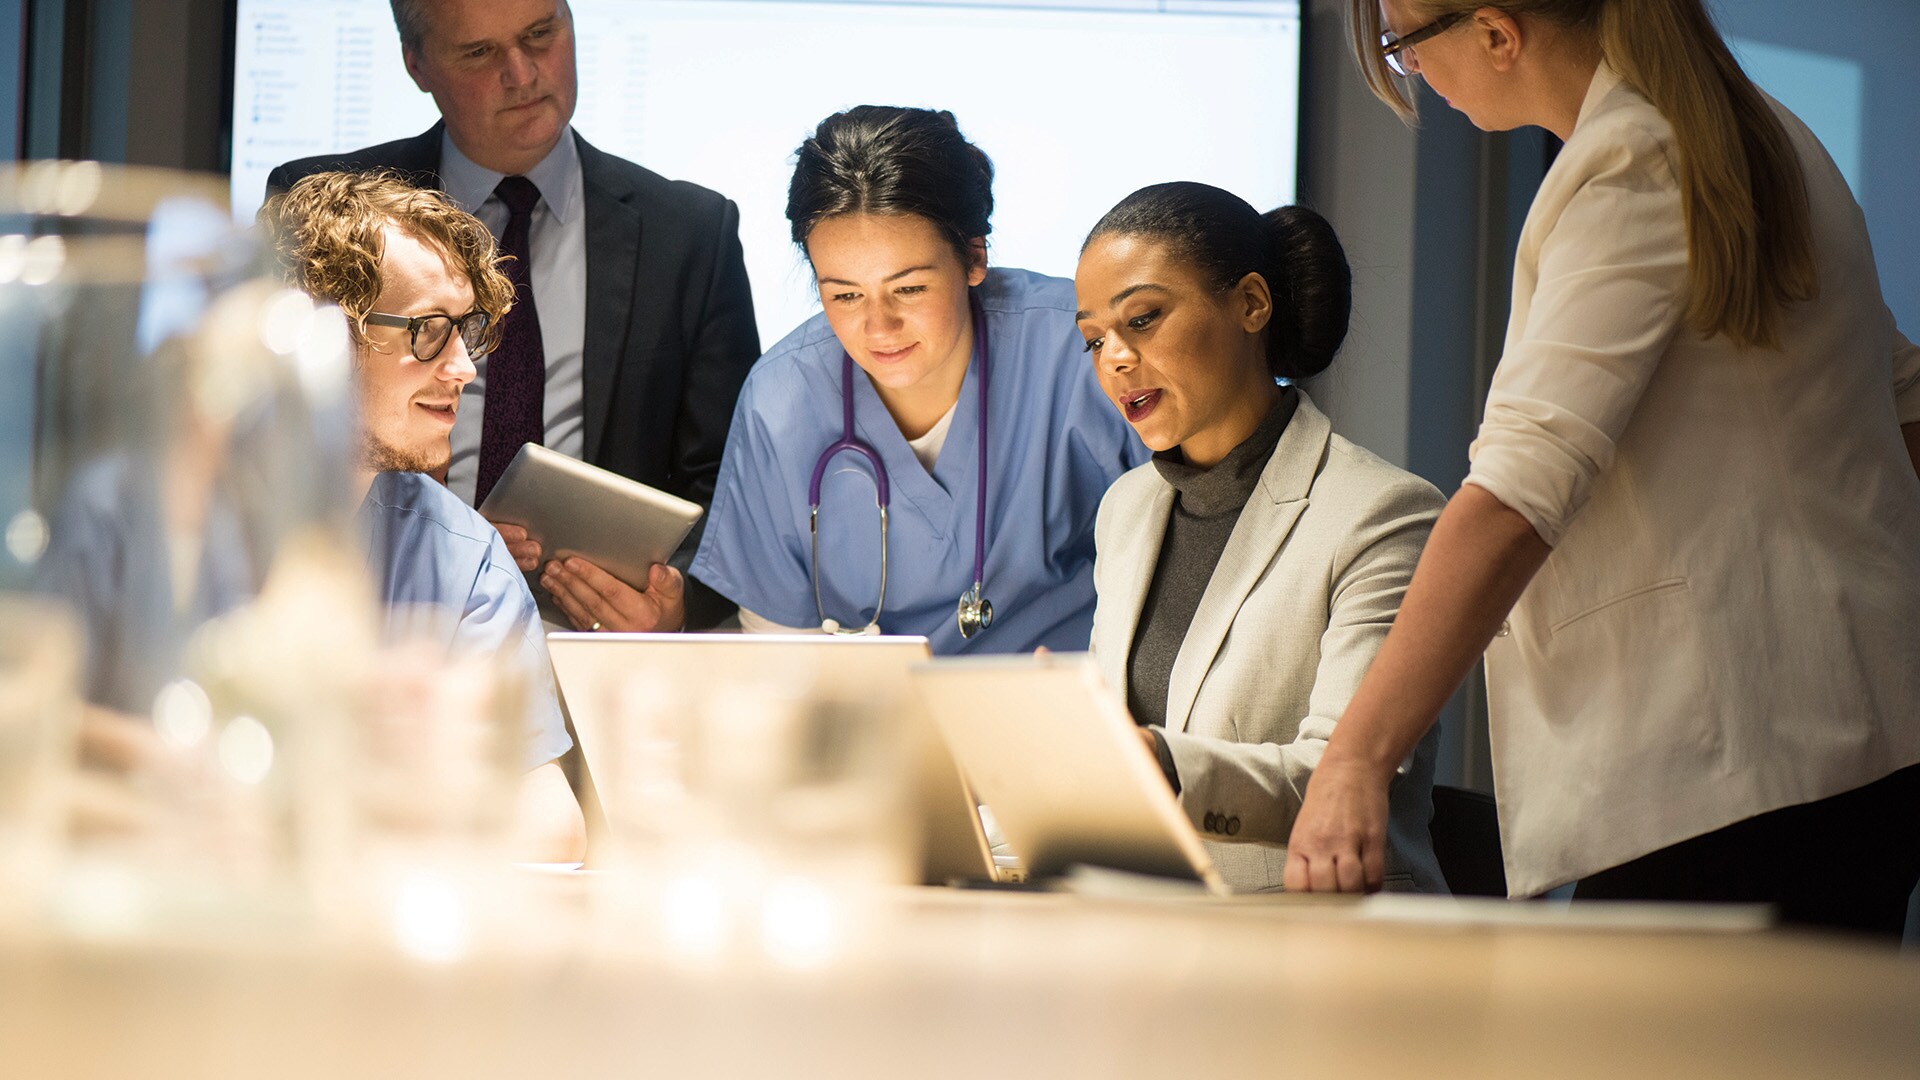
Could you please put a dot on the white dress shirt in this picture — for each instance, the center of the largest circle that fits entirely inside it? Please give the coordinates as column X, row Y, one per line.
column 558, row 238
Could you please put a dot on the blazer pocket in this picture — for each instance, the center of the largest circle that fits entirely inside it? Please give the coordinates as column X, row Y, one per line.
column 1647, row 592
column 1636, row 666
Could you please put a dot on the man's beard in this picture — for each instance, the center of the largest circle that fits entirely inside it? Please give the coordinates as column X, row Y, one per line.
column 385, row 457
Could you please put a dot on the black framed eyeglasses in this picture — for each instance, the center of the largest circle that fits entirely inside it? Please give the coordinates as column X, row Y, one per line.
column 1392, row 45
column 427, row 335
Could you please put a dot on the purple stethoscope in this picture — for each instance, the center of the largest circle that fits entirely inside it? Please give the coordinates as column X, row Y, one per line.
column 975, row 612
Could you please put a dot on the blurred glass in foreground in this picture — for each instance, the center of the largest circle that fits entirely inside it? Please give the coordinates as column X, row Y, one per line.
column 39, row 721
column 753, row 820
column 211, row 730
column 173, row 485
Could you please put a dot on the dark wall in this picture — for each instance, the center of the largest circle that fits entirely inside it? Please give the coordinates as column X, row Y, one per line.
column 13, row 70
column 139, row 82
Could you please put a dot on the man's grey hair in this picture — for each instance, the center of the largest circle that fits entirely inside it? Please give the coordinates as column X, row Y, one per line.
column 410, row 17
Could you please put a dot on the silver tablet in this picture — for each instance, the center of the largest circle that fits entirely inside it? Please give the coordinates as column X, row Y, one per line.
column 573, row 508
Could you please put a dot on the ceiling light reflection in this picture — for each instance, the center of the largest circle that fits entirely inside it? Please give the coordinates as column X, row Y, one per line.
column 694, row 917
column 799, row 923
column 183, row 715
column 246, row 750
column 431, row 920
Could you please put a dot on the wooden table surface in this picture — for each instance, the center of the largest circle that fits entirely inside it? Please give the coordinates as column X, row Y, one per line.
column 937, row 983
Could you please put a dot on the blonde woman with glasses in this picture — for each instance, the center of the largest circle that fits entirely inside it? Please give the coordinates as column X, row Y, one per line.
column 1689, row 543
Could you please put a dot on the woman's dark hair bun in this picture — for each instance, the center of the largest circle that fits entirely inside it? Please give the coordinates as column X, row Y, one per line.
column 884, row 159
column 1314, row 288
column 1225, row 239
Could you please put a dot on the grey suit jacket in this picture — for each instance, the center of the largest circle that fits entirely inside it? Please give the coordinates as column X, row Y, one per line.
column 1302, row 597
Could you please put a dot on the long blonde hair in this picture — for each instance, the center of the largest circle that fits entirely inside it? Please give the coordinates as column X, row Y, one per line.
column 1749, row 231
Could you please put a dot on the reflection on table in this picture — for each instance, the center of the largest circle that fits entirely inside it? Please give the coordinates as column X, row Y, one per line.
column 938, row 982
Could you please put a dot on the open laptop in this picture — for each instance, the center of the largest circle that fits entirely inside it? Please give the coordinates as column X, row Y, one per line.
column 1053, row 752
column 594, row 669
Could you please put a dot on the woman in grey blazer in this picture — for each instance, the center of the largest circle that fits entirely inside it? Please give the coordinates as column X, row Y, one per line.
column 1246, row 575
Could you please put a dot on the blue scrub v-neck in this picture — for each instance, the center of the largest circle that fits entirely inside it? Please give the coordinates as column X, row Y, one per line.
column 946, row 495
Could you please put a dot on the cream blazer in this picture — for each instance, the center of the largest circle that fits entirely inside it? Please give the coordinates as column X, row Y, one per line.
column 1310, row 580
column 1730, row 619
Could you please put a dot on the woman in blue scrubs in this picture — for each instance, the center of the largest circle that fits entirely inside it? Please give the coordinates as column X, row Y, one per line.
column 891, row 207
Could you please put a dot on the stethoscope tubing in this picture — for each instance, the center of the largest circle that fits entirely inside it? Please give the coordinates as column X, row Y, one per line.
column 848, row 441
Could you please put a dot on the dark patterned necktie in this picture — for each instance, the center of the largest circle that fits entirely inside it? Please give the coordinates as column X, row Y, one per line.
column 513, row 407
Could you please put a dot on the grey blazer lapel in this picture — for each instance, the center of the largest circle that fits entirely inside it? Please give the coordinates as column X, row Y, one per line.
column 1269, row 517
column 613, row 256
column 1135, row 552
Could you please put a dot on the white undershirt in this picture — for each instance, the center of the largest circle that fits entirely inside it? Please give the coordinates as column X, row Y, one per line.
column 758, row 624
column 926, row 449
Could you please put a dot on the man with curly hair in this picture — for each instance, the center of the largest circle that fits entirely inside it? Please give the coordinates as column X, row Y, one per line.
column 417, row 279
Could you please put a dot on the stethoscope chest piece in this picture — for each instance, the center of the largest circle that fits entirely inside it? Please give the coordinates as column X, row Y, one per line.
column 975, row 612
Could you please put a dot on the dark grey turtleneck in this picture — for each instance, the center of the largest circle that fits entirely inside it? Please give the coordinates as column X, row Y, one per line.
column 1206, row 506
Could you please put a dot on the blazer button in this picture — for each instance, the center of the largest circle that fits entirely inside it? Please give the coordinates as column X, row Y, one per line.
column 1209, row 821
column 1505, row 629
column 1233, row 825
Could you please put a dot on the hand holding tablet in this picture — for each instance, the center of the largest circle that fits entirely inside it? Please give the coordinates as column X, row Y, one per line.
column 596, row 600
column 603, row 539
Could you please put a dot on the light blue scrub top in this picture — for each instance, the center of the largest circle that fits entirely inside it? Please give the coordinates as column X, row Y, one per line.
column 1055, row 444
column 426, row 547
column 107, row 558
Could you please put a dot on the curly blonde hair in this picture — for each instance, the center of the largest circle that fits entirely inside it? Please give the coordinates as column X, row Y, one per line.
column 328, row 233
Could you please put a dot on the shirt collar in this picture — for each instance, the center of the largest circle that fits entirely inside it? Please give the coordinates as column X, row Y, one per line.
column 1604, row 80
column 557, row 176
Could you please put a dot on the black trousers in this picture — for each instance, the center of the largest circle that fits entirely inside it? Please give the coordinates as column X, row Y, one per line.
column 1847, row 862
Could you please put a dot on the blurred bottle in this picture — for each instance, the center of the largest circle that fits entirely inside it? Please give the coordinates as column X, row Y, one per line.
column 174, row 455
column 752, row 820
column 39, row 721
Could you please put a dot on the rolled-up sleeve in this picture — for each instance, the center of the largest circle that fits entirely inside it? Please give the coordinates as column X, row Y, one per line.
column 1609, row 293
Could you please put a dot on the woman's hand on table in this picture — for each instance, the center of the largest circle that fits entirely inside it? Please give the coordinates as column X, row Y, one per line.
column 1339, row 840
column 596, row 600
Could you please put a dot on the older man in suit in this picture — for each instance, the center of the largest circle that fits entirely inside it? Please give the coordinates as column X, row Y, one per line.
column 634, row 325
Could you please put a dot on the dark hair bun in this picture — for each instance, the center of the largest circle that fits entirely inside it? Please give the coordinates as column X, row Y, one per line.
column 1225, row 239
column 1313, row 292
column 882, row 159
